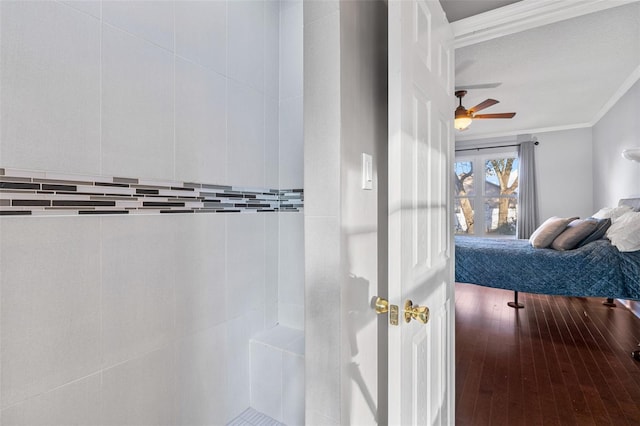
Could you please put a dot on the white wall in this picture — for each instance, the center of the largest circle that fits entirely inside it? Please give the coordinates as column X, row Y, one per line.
column 563, row 173
column 291, row 160
column 613, row 176
column 137, row 319
column 345, row 115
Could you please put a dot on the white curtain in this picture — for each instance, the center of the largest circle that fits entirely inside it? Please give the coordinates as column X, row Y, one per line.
column 527, row 198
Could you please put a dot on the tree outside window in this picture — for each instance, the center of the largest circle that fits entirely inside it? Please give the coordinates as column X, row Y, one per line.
column 497, row 198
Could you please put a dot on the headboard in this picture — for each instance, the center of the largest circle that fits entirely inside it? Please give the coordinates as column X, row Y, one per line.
column 634, row 203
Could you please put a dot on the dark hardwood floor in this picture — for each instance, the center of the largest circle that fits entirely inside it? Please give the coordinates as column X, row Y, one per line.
column 559, row 361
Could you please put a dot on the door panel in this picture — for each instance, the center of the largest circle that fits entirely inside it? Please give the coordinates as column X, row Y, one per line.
column 421, row 105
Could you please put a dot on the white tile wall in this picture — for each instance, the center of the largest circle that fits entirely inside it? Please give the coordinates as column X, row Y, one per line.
column 291, row 270
column 246, row 264
column 272, row 144
column 321, row 113
column 200, row 271
column 201, row 124
column 277, row 374
column 245, row 32
column 291, row 164
column 239, row 332
column 322, row 286
column 291, row 50
column 92, row 7
column 151, row 20
column 50, row 305
column 201, row 33
column 201, row 372
column 245, row 124
column 272, row 243
column 171, row 90
column 50, row 110
column 266, row 380
column 272, row 31
column 137, row 106
column 292, row 389
column 291, row 157
column 74, row 404
column 138, row 292
column 141, row 391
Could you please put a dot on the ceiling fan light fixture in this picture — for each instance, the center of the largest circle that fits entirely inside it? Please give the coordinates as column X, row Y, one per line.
column 462, row 119
column 462, row 123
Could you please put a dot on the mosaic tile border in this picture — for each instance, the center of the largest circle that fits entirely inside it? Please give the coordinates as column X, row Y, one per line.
column 31, row 193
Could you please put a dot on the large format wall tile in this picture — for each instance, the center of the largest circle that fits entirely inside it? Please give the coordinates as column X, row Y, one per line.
column 266, row 380
column 50, row 305
column 245, row 124
column 245, row 32
column 200, row 260
column 201, row 33
column 77, row 403
column 138, row 299
column 50, row 110
column 141, row 391
column 201, row 374
column 201, row 124
column 322, row 113
column 246, row 263
column 292, row 389
column 239, row 331
column 272, row 49
column 137, row 107
column 291, row 159
column 271, row 269
column 322, row 315
column 92, row 7
column 151, row 20
column 291, row 50
column 291, row 265
column 272, row 144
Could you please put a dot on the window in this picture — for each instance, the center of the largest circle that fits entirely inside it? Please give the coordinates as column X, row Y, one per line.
column 486, row 197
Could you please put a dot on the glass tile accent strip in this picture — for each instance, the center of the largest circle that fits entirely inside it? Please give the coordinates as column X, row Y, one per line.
column 25, row 192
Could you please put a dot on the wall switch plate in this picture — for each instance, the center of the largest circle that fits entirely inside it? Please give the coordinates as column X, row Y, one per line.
column 367, row 171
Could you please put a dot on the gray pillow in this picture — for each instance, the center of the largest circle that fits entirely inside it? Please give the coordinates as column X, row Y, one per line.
column 598, row 233
column 577, row 231
column 549, row 230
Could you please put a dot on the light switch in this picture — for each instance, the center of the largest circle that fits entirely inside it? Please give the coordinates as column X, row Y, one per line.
column 367, row 171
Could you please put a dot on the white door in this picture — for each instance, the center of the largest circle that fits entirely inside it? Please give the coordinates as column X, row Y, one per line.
column 421, row 106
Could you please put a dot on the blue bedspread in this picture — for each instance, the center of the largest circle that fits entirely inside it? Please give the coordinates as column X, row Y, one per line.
column 597, row 269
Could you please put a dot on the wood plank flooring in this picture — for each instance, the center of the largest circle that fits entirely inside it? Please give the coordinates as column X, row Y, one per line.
column 559, row 361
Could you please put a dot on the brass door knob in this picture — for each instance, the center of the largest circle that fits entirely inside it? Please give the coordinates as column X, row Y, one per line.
column 381, row 305
column 419, row 313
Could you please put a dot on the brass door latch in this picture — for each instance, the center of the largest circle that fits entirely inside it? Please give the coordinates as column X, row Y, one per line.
column 418, row 313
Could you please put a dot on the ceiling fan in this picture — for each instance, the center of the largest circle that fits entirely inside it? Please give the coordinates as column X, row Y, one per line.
column 464, row 117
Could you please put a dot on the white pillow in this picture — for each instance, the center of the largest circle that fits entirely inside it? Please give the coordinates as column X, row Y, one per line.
column 612, row 213
column 624, row 233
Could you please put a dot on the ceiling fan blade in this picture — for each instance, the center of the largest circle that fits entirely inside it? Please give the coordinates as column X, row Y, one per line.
column 483, row 105
column 478, row 86
column 498, row 115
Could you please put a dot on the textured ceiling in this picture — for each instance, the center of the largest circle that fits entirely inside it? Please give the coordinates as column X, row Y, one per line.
column 557, row 75
column 460, row 9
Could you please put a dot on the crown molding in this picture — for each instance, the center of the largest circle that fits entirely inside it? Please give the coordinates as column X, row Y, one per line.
column 522, row 16
column 525, row 131
column 624, row 88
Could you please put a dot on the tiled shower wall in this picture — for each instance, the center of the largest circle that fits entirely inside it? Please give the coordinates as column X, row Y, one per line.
column 138, row 319
column 291, row 265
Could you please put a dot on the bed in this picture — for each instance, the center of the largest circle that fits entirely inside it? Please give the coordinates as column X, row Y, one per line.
column 597, row 269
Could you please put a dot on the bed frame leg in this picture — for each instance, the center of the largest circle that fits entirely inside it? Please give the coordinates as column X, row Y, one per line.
column 609, row 302
column 515, row 303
